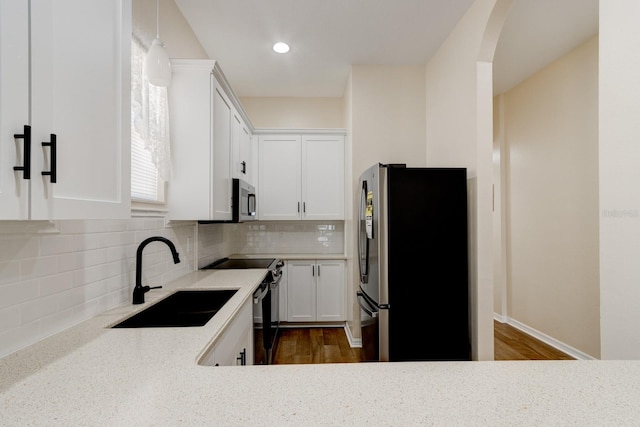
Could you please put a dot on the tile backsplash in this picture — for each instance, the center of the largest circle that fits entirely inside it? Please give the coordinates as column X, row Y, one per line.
column 54, row 275
column 273, row 237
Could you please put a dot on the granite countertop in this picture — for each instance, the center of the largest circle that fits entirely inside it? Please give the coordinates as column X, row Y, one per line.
column 93, row 375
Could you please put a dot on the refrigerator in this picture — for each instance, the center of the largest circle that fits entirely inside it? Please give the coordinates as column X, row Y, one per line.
column 413, row 264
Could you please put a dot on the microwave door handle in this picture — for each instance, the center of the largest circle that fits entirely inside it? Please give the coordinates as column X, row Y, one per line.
column 369, row 309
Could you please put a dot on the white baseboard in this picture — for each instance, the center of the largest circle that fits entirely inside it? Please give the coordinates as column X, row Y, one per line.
column 500, row 318
column 559, row 345
column 353, row 342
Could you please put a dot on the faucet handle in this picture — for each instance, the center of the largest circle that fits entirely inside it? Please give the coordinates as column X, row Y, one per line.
column 154, row 287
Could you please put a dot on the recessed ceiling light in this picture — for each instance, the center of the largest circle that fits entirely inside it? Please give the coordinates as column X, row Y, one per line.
column 281, row 47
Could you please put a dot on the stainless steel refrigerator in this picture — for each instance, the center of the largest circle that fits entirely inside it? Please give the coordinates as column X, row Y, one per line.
column 413, row 259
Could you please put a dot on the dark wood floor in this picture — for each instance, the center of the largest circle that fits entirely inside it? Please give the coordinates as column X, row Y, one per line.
column 314, row 345
column 513, row 344
column 330, row 345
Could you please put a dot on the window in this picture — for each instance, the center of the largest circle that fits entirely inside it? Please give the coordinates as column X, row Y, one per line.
column 150, row 147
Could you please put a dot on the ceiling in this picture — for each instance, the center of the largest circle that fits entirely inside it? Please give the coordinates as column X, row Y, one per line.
column 328, row 36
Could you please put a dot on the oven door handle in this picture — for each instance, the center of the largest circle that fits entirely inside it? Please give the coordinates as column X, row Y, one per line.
column 257, row 299
column 276, row 280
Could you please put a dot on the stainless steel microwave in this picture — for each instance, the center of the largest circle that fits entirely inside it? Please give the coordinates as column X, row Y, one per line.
column 243, row 201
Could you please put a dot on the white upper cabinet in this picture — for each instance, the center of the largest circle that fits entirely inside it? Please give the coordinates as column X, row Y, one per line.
column 323, row 177
column 14, row 109
column 78, row 93
column 301, row 177
column 206, row 135
column 280, row 181
column 242, row 145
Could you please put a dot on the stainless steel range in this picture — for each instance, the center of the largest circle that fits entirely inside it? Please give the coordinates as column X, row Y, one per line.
column 266, row 320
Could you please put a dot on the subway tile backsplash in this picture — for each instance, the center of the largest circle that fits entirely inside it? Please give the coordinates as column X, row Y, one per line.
column 273, row 237
column 54, row 275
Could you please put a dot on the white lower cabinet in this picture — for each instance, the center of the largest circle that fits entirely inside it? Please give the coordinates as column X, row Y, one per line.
column 315, row 290
column 235, row 346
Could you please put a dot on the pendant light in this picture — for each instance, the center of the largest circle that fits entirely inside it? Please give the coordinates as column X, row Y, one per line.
column 158, row 64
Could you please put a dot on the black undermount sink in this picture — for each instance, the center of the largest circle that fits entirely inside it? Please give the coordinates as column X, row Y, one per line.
column 181, row 309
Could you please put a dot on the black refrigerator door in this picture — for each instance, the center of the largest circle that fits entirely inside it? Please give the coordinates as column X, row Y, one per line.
column 428, row 264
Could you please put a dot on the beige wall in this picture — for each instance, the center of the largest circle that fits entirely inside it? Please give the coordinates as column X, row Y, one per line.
column 619, row 155
column 388, row 115
column 459, row 134
column 386, row 123
column 175, row 33
column 294, row 113
column 551, row 130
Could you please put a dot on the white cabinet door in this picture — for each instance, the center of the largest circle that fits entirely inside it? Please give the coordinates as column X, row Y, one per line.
column 241, row 144
column 301, row 177
column 77, row 87
column 315, row 291
column 279, row 182
column 80, row 92
column 301, row 291
column 201, row 143
column 236, row 125
column 221, row 169
column 14, row 108
column 235, row 345
column 323, row 177
column 330, row 289
column 246, row 164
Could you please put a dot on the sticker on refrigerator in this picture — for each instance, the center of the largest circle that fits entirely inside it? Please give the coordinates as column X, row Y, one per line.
column 369, row 215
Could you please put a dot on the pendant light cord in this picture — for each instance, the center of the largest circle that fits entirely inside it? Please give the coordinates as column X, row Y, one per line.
column 158, row 19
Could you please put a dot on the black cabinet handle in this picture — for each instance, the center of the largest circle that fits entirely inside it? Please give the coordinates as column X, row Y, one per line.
column 244, row 166
column 298, row 207
column 304, row 207
column 26, row 155
column 243, row 357
column 313, row 270
column 318, row 271
column 52, row 159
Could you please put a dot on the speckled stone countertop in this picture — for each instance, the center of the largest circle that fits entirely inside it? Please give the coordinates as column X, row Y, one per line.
column 96, row 376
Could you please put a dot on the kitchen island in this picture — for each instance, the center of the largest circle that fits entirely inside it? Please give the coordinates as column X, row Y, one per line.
column 93, row 375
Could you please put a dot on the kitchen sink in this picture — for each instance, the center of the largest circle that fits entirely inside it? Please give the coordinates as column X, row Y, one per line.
column 181, row 309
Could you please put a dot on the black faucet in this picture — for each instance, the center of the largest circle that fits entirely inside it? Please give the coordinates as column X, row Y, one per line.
column 139, row 290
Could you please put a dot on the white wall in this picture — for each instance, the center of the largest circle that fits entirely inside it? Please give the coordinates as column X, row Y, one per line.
column 551, row 133
column 459, row 134
column 619, row 154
